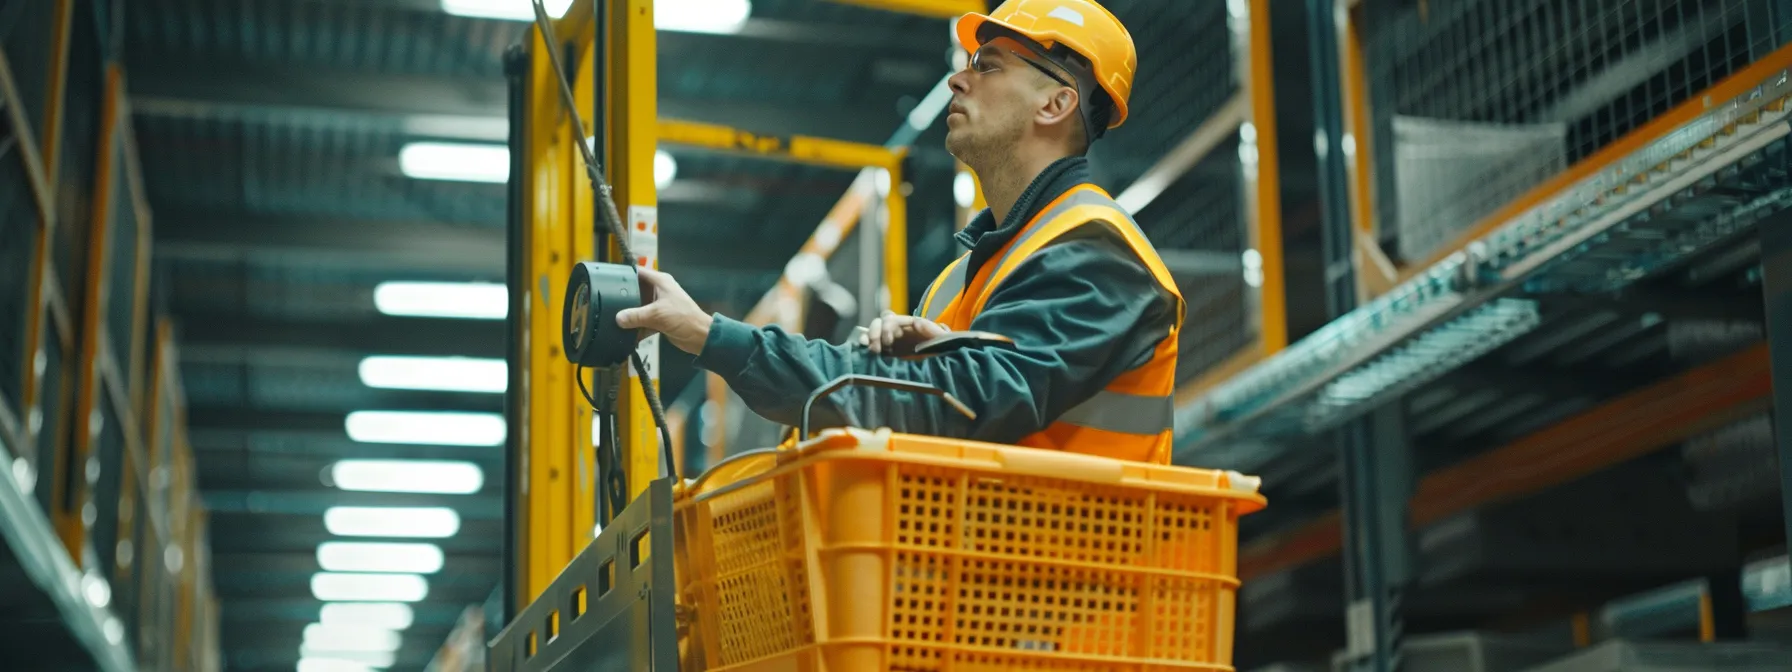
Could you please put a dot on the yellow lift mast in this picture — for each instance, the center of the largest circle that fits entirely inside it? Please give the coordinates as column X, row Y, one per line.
column 577, row 597
column 554, row 475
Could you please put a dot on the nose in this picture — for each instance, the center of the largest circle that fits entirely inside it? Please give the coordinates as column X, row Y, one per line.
column 960, row 82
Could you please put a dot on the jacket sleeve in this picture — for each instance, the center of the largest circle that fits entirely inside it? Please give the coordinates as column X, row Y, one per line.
column 1081, row 312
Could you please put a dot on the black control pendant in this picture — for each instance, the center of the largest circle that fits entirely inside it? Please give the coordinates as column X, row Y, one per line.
column 595, row 293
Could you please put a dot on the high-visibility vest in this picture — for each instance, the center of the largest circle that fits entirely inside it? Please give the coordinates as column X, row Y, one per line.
column 1131, row 418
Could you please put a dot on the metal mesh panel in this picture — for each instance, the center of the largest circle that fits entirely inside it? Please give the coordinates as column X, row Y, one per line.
column 1201, row 217
column 104, row 475
column 325, row 169
column 79, row 151
column 1566, row 76
column 48, row 418
column 25, row 36
column 121, row 276
column 385, row 37
column 1186, row 72
column 18, row 238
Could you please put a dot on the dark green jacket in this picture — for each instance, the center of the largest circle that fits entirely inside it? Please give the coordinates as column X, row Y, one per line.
column 1081, row 312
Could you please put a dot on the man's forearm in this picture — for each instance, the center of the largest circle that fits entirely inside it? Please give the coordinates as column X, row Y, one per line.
column 1080, row 315
column 775, row 372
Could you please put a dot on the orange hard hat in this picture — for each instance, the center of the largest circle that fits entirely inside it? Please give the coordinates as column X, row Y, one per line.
column 1079, row 26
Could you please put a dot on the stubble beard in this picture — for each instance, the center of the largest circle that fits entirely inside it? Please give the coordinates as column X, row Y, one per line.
column 982, row 151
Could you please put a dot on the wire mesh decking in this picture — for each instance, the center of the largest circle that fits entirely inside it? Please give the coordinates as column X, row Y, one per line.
column 1549, row 81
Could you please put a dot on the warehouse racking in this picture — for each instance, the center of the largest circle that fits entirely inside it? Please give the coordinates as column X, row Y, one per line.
column 102, row 513
column 1502, row 340
column 1538, row 228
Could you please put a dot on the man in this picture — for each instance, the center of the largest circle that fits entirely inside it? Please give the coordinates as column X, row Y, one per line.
column 1053, row 264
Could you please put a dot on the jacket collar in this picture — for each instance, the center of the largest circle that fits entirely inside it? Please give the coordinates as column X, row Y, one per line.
column 1059, row 177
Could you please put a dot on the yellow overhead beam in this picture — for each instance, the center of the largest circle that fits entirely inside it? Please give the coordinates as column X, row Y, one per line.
column 799, row 148
column 944, row 9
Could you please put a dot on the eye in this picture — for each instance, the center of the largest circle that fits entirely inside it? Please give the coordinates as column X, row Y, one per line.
column 981, row 63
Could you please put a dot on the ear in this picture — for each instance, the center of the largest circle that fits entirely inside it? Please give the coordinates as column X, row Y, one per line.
column 1060, row 106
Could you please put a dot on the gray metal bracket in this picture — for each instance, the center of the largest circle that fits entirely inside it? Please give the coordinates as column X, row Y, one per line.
column 628, row 623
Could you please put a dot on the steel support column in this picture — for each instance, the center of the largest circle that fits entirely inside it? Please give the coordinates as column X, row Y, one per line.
column 1333, row 164
column 515, row 583
column 1377, row 484
column 1776, row 288
column 1376, row 460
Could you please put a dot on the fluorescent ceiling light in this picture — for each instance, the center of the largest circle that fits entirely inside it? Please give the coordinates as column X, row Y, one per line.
column 464, row 300
column 337, row 638
column 455, row 161
column 448, row 374
column 366, row 659
column 694, row 16
column 391, row 521
column 428, row 476
column 464, row 162
column 665, row 169
column 701, row 16
column 332, row 587
column 359, row 556
column 508, row 10
column 334, row 664
column 384, row 615
column 435, row 428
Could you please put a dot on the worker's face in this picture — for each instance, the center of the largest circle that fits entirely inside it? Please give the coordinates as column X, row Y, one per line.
column 996, row 98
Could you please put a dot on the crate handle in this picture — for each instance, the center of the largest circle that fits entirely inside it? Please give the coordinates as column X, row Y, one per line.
column 878, row 381
column 1058, row 464
column 735, row 462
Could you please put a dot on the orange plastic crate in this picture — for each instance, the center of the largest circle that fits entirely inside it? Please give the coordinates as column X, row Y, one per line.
column 877, row 551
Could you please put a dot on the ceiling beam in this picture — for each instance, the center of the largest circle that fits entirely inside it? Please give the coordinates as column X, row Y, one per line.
column 930, row 40
column 271, row 532
column 371, row 398
column 306, row 563
column 459, row 588
column 325, row 445
column 256, row 419
column 315, row 502
column 283, row 638
column 276, row 655
column 399, row 245
column 722, row 262
column 306, row 610
column 468, row 108
column 385, row 335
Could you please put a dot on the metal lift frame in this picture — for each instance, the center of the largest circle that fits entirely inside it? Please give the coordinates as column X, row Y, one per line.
column 551, row 465
column 551, row 508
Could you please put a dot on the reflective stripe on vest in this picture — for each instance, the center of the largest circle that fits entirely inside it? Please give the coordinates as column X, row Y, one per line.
column 1124, row 413
column 944, row 289
column 1131, row 419
column 1076, row 198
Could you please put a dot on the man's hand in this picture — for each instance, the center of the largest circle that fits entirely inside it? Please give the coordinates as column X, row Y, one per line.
column 899, row 334
column 670, row 311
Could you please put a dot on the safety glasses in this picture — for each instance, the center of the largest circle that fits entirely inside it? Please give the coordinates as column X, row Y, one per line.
column 981, row 63
column 993, row 38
